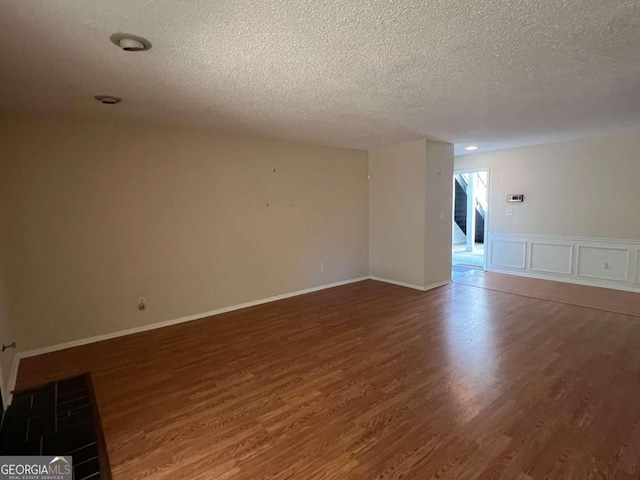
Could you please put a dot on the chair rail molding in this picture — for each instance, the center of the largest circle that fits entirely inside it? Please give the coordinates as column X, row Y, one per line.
column 601, row 262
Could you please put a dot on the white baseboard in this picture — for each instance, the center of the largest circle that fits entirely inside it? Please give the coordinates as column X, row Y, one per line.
column 98, row 338
column 573, row 281
column 395, row 282
column 121, row 333
column 436, row 285
column 410, row 285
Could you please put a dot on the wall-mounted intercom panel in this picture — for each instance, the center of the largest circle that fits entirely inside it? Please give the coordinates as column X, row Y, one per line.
column 515, row 197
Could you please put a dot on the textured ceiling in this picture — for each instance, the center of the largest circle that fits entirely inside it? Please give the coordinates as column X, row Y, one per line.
column 355, row 73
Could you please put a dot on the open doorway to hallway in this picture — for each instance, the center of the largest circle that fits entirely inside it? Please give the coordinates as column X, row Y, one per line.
column 470, row 220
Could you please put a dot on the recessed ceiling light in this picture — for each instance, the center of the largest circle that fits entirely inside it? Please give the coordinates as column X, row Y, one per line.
column 130, row 43
column 107, row 99
column 471, row 148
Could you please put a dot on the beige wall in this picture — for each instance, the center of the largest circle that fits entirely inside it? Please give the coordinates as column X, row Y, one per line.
column 588, row 188
column 439, row 205
column 8, row 328
column 396, row 212
column 6, row 337
column 410, row 212
column 101, row 214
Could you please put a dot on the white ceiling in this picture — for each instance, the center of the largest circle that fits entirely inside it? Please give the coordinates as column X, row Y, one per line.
column 354, row 73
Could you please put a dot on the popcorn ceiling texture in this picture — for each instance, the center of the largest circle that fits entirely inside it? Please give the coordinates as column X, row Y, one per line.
column 351, row 73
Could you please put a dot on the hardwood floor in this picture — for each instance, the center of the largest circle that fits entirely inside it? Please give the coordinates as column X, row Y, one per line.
column 627, row 303
column 368, row 381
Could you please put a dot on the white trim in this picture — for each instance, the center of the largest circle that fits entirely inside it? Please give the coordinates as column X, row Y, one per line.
column 487, row 213
column 549, row 244
column 153, row 326
column 585, row 283
column 436, row 285
column 411, row 285
column 470, row 170
column 188, row 318
column 395, row 282
column 130, row 331
column 565, row 238
column 628, row 276
column 615, row 249
column 523, row 259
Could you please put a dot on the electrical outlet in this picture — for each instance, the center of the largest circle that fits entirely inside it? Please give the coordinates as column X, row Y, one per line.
column 607, row 265
column 510, row 212
column 142, row 303
column 321, row 268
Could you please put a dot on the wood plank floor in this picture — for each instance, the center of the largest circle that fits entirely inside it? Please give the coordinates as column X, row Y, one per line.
column 627, row 303
column 368, row 381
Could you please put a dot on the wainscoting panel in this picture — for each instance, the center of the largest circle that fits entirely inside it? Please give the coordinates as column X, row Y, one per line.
column 551, row 258
column 609, row 263
column 604, row 263
column 509, row 253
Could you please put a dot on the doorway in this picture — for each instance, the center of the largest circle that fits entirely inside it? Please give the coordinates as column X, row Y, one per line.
column 470, row 222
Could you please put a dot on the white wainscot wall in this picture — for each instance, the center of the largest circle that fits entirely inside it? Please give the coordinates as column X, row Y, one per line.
column 602, row 262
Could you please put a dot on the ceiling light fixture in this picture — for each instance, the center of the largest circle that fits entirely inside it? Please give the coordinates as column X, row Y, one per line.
column 471, row 148
column 130, row 43
column 107, row 99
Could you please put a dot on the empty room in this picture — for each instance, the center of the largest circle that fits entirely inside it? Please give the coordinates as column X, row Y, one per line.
column 319, row 240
